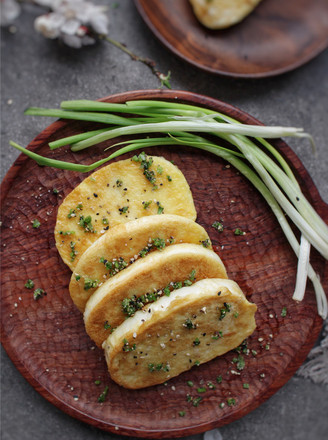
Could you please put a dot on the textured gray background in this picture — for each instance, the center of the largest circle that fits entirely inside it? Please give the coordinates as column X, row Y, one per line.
column 40, row 72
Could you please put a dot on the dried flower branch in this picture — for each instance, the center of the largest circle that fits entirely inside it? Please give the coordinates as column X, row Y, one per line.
column 76, row 23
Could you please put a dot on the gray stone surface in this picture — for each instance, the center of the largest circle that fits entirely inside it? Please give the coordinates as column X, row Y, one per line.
column 40, row 72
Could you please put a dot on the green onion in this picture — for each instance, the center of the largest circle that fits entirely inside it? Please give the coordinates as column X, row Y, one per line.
column 302, row 269
column 271, row 175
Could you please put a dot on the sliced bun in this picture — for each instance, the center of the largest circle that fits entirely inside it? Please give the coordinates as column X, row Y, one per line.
column 116, row 194
column 191, row 326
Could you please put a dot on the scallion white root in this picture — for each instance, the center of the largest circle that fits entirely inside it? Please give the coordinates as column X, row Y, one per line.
column 302, row 269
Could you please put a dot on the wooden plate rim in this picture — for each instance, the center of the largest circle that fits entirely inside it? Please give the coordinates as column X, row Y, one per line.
column 295, row 363
column 275, row 72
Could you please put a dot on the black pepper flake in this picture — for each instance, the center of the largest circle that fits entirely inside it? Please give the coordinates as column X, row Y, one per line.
column 95, row 195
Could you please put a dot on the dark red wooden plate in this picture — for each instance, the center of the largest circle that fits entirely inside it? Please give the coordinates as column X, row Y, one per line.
column 276, row 37
column 46, row 339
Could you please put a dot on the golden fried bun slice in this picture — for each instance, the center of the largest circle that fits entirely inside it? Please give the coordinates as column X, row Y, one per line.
column 220, row 14
column 116, row 194
column 156, row 275
column 191, row 326
column 123, row 244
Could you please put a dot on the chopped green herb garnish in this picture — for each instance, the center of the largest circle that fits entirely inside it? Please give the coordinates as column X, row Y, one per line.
column 201, row 390
column 150, row 175
column 107, row 326
column 159, row 169
column 89, row 283
column 77, row 277
column 177, row 285
column 217, row 335
column 146, row 204
column 284, row 312
column 55, row 191
column 240, row 362
column 192, row 275
column 231, row 401
column 196, row 342
column 115, row 265
column 158, row 367
column 29, row 284
column 119, row 183
column 254, row 352
column 145, row 164
column 171, row 240
column 222, row 405
column 219, row 379
column 239, row 232
column 235, row 315
column 242, row 348
column 246, row 386
column 169, row 178
column 97, row 382
column 144, row 251
column 38, row 293
column 159, row 243
column 86, row 223
column 160, row 208
column 36, row 224
column 73, row 251
column 189, row 324
column 66, row 232
column 105, row 221
column 190, row 383
column 103, row 395
column 72, row 211
column 211, row 386
column 197, row 363
column 127, row 347
column 182, row 413
column 123, row 210
column 223, row 312
column 206, row 243
column 196, row 401
column 218, row 226
column 187, row 282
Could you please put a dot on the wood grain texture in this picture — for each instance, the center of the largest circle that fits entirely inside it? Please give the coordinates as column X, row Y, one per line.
column 46, row 339
column 276, row 37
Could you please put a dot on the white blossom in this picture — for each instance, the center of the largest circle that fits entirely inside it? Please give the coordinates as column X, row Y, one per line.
column 10, row 10
column 72, row 21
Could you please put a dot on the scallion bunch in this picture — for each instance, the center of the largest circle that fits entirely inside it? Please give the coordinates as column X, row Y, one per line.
column 185, row 125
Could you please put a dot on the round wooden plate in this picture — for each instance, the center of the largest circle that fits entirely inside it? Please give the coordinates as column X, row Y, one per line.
column 276, row 37
column 46, row 339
